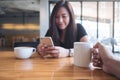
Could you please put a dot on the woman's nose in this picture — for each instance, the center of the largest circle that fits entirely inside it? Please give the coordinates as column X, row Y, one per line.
column 60, row 20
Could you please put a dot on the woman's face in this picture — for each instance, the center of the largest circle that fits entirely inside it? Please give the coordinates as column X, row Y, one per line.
column 62, row 18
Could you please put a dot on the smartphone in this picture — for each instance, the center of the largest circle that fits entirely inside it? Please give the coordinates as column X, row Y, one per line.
column 47, row 40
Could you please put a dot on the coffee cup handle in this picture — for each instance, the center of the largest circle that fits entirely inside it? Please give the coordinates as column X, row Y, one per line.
column 34, row 50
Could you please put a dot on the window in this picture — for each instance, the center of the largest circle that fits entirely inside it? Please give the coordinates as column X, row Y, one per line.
column 89, row 19
column 117, row 25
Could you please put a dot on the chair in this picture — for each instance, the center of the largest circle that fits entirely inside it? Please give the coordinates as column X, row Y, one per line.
column 111, row 42
column 27, row 44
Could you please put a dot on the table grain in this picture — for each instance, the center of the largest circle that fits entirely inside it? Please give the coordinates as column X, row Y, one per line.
column 37, row 68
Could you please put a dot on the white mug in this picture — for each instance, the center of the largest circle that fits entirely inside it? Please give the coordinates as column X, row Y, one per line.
column 82, row 56
column 24, row 52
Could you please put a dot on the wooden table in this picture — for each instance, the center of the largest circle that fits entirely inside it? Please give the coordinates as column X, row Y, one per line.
column 37, row 68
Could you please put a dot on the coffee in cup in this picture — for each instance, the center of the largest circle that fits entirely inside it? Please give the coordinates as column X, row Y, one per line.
column 82, row 56
column 24, row 52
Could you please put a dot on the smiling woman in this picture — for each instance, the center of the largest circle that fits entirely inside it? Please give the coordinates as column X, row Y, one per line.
column 63, row 30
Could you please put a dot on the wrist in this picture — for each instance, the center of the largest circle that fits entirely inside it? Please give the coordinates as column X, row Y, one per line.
column 71, row 51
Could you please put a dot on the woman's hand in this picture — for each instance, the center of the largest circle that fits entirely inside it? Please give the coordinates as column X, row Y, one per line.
column 41, row 49
column 55, row 51
column 58, row 51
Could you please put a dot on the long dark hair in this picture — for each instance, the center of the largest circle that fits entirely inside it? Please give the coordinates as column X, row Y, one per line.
column 70, row 36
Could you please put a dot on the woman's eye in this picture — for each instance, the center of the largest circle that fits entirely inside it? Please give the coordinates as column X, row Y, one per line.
column 56, row 17
column 64, row 16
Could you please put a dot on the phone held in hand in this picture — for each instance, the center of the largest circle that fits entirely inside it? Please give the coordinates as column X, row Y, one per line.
column 47, row 40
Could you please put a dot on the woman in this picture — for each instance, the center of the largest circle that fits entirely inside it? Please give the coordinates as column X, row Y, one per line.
column 63, row 30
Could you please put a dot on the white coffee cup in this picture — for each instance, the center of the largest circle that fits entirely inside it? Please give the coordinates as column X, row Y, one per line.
column 82, row 56
column 24, row 52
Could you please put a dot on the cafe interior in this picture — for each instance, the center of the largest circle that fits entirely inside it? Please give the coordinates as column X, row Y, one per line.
column 28, row 21
column 24, row 22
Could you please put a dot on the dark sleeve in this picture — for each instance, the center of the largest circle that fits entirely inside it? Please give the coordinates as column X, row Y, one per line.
column 80, row 32
column 48, row 33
